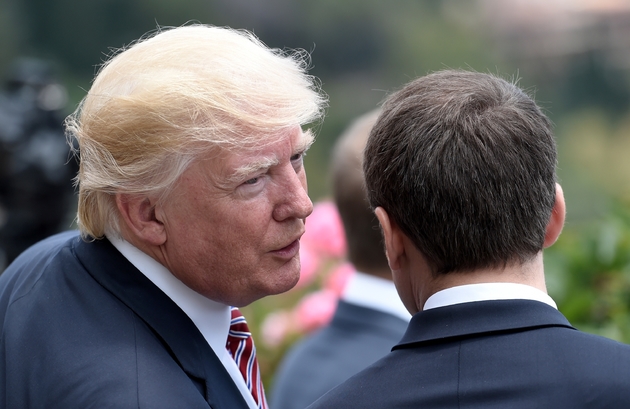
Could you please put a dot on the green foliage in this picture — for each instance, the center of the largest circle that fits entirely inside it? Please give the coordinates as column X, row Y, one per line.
column 588, row 272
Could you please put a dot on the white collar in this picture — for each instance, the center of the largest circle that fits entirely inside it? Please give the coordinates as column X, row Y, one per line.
column 485, row 292
column 210, row 317
column 376, row 293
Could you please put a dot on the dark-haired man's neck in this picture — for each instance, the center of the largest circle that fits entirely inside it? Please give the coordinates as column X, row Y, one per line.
column 530, row 273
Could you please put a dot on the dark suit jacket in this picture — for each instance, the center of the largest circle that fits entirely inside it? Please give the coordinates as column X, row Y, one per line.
column 355, row 338
column 83, row 328
column 507, row 354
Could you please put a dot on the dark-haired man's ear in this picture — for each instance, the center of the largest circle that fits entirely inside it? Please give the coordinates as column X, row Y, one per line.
column 556, row 221
column 394, row 248
column 138, row 215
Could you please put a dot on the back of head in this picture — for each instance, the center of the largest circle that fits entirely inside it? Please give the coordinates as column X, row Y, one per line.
column 464, row 163
column 176, row 95
column 365, row 245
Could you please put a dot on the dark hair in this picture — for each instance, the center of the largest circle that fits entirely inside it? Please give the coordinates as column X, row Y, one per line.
column 365, row 245
column 464, row 163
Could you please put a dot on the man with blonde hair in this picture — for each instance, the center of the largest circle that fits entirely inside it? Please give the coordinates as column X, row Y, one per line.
column 192, row 200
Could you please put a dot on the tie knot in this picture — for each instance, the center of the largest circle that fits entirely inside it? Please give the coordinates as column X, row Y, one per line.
column 238, row 325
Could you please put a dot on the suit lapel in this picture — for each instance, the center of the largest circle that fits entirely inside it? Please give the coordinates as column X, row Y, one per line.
column 186, row 344
column 480, row 318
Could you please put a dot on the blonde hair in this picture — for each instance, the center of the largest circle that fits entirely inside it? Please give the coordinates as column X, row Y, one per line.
column 177, row 94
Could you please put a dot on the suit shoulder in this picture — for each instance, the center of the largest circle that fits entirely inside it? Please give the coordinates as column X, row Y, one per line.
column 596, row 348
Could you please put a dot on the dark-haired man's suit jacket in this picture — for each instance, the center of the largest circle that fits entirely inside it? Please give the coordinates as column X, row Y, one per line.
column 492, row 354
column 355, row 338
column 83, row 328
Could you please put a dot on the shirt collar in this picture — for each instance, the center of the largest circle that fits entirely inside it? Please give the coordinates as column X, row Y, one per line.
column 485, row 292
column 376, row 293
column 210, row 317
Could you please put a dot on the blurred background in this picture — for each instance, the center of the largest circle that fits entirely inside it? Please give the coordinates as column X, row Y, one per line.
column 573, row 55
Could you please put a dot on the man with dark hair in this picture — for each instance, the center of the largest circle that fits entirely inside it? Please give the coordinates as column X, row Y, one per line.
column 460, row 169
column 370, row 318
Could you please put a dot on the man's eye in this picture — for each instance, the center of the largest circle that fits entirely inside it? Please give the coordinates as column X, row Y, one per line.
column 251, row 181
column 297, row 156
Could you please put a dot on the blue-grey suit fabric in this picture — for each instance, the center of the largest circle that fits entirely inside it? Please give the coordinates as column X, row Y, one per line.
column 492, row 355
column 83, row 328
column 356, row 337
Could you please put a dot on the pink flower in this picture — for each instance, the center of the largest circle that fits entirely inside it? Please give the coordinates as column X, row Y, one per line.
column 276, row 327
column 338, row 278
column 309, row 263
column 315, row 310
column 324, row 230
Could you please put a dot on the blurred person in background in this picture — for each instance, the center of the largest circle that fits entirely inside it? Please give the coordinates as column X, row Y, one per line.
column 36, row 193
column 460, row 168
column 192, row 200
column 370, row 318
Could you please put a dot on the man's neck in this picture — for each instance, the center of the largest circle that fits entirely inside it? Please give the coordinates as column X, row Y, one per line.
column 530, row 273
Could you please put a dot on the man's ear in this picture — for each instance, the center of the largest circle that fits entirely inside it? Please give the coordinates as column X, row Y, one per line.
column 394, row 248
column 139, row 215
column 556, row 221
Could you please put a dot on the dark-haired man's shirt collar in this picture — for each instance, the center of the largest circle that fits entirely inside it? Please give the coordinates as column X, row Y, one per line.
column 485, row 292
column 210, row 317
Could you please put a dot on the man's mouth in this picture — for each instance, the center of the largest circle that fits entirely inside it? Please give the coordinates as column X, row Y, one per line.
column 289, row 251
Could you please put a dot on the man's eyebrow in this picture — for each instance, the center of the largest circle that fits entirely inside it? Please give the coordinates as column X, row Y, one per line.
column 251, row 168
column 305, row 141
column 242, row 172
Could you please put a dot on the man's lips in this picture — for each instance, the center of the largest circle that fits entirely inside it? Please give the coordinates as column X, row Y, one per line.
column 288, row 251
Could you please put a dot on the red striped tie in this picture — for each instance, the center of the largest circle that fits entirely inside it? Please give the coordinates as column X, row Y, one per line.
column 241, row 347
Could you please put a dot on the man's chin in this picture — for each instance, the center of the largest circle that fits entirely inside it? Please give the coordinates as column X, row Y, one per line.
column 287, row 279
column 287, row 284
column 276, row 281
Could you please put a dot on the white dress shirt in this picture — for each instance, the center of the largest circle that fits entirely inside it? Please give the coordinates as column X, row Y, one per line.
column 485, row 292
column 376, row 293
column 210, row 317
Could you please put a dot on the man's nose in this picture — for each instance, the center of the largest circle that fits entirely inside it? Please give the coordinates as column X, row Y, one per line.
column 294, row 202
